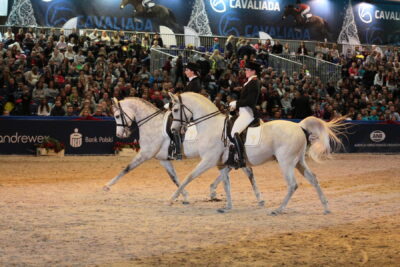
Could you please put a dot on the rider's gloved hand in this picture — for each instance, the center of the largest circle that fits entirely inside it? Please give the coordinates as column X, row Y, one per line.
column 232, row 105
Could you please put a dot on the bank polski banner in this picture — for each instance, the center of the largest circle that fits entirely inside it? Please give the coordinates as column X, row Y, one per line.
column 378, row 23
column 20, row 136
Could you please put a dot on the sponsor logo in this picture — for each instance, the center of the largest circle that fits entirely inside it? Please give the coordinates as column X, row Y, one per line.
column 218, row 5
column 21, row 139
column 377, row 136
column 364, row 13
column 59, row 12
column 387, row 15
column 75, row 139
column 255, row 5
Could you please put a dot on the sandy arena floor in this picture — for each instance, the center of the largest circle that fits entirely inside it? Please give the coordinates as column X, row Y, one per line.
column 55, row 213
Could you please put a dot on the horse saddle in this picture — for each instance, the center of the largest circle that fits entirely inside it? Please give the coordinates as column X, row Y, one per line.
column 252, row 134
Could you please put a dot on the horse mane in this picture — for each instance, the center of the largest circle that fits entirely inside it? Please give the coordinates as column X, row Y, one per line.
column 141, row 100
column 201, row 98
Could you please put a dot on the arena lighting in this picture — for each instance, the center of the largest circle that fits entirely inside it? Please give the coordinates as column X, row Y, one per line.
column 46, row 0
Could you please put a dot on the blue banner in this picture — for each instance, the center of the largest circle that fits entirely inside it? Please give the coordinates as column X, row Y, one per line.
column 78, row 136
column 377, row 23
column 372, row 138
column 96, row 137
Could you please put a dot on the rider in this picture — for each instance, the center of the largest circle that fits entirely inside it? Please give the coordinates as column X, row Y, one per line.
column 247, row 108
column 148, row 4
column 194, row 85
column 304, row 9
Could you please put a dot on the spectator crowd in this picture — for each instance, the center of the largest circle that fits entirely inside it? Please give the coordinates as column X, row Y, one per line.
column 76, row 74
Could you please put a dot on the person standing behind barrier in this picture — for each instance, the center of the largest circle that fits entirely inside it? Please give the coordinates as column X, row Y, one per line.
column 179, row 70
column 302, row 50
column 230, row 47
column 301, row 106
column 218, row 63
column 158, row 39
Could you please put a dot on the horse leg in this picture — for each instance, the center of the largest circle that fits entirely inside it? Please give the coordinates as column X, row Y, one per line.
column 172, row 174
column 312, row 179
column 287, row 168
column 205, row 164
column 137, row 160
column 227, row 187
column 213, row 187
column 249, row 172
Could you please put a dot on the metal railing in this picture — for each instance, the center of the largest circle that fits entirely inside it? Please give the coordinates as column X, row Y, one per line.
column 160, row 55
column 281, row 64
column 325, row 70
column 207, row 42
column 158, row 58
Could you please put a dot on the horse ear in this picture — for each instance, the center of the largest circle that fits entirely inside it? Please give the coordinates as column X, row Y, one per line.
column 115, row 101
column 173, row 97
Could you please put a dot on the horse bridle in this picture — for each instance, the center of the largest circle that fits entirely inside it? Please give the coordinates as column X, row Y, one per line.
column 184, row 119
column 125, row 117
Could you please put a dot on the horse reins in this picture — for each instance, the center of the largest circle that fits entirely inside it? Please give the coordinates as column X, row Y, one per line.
column 124, row 121
column 192, row 121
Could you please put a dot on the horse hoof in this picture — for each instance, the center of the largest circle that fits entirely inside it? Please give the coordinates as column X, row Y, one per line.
column 185, row 202
column 327, row 212
column 261, row 203
column 223, row 210
column 274, row 213
column 106, row 188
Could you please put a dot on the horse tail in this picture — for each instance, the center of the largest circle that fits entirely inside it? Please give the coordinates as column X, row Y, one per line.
column 323, row 136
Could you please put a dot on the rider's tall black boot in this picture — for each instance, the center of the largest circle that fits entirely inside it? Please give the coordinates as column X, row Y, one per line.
column 231, row 158
column 240, row 151
column 178, row 145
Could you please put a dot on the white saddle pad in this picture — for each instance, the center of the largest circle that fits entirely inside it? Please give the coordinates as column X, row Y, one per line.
column 190, row 135
column 253, row 137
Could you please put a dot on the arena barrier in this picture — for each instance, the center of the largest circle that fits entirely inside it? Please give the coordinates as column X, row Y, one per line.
column 372, row 137
column 18, row 135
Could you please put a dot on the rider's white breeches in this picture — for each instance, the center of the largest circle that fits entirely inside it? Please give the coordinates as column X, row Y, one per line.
column 246, row 116
column 148, row 3
column 305, row 11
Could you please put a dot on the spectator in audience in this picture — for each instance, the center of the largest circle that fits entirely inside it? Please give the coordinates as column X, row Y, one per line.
column 43, row 108
column 277, row 48
column 302, row 50
column 58, row 109
column 286, row 49
column 93, row 68
column 159, row 40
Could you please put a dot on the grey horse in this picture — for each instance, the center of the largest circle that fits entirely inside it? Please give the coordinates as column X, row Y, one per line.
column 284, row 141
column 154, row 144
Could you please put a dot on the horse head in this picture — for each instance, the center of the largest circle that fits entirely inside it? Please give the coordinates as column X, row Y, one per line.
column 180, row 113
column 124, row 117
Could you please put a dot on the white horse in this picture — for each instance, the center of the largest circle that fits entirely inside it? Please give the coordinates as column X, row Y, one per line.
column 283, row 140
column 154, row 144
